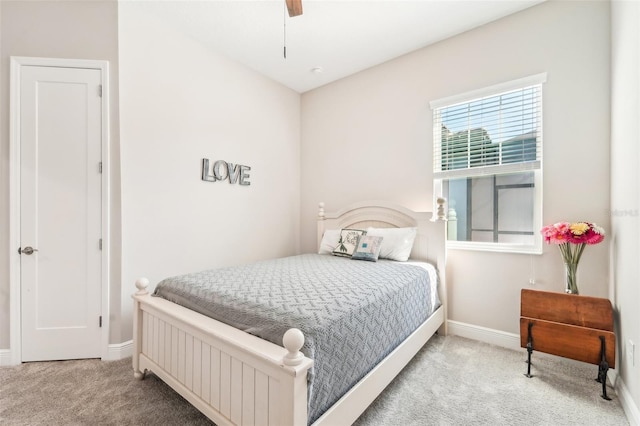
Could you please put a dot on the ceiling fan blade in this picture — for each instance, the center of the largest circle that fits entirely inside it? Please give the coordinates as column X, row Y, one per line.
column 294, row 7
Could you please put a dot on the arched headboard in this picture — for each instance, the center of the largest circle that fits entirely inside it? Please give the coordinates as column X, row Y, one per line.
column 430, row 239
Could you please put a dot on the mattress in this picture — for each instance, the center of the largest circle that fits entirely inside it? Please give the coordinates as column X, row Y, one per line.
column 352, row 313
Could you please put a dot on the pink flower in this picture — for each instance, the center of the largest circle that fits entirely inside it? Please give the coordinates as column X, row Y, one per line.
column 595, row 234
column 549, row 232
column 558, row 233
column 595, row 239
column 572, row 233
column 578, row 239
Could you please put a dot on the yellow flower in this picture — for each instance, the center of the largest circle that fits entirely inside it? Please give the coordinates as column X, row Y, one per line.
column 578, row 228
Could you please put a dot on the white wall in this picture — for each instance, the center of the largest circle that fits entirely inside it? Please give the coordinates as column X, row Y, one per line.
column 181, row 103
column 61, row 29
column 625, row 187
column 369, row 136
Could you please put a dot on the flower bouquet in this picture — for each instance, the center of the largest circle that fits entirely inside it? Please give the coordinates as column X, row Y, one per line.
column 571, row 239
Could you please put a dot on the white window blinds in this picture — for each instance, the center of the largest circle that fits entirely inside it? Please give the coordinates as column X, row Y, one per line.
column 495, row 133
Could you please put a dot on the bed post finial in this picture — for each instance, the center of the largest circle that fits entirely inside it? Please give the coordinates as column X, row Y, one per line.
column 141, row 285
column 293, row 340
column 320, row 211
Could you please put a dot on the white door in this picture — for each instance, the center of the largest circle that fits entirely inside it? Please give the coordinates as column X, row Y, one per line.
column 60, row 212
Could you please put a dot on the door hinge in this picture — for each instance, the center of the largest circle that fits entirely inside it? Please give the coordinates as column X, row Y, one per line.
column 100, row 321
column 100, row 167
column 100, row 90
column 100, row 243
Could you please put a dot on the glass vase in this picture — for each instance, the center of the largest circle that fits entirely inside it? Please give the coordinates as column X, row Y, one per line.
column 570, row 278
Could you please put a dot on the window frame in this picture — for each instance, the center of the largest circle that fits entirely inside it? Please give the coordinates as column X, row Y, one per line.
column 536, row 167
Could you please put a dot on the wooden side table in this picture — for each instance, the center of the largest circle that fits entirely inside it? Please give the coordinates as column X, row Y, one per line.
column 572, row 326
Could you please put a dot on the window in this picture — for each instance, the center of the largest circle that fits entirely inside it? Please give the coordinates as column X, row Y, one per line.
column 488, row 164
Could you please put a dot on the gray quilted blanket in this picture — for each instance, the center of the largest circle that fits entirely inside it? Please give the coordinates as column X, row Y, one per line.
column 352, row 313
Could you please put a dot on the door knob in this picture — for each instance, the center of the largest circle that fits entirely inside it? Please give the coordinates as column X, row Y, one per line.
column 27, row 250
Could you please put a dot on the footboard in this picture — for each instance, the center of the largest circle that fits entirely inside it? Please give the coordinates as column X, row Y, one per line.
column 232, row 377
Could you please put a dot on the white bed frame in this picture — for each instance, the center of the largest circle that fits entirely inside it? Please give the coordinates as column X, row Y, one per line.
column 235, row 378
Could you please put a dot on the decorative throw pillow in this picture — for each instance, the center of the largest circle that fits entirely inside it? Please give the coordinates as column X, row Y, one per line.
column 368, row 248
column 347, row 242
column 329, row 241
column 397, row 243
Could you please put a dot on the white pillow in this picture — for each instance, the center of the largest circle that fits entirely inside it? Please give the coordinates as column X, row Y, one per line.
column 396, row 243
column 329, row 241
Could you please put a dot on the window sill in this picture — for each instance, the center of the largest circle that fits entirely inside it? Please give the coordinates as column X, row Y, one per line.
column 494, row 247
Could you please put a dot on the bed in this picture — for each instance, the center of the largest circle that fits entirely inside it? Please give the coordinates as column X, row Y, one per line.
column 235, row 378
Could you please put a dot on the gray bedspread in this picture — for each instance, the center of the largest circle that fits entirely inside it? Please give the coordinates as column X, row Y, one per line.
column 352, row 313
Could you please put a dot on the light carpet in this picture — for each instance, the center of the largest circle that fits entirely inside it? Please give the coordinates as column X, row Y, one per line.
column 451, row 381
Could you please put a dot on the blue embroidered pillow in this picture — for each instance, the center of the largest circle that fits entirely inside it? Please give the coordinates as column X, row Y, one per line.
column 368, row 248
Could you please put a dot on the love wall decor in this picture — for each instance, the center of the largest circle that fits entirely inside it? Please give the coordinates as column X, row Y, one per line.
column 221, row 170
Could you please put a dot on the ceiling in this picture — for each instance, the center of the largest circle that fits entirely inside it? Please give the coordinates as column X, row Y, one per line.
column 338, row 37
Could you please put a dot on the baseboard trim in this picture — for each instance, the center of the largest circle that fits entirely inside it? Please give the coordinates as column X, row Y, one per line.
column 483, row 334
column 117, row 351
column 5, row 357
column 628, row 404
